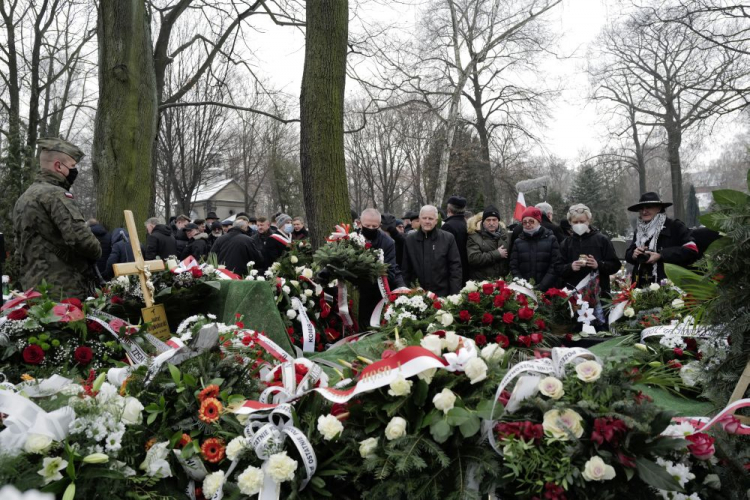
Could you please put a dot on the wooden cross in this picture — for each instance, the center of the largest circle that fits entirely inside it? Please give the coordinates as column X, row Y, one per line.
column 139, row 266
column 739, row 391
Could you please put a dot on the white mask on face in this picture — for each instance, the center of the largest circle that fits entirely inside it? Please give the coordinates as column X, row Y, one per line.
column 580, row 229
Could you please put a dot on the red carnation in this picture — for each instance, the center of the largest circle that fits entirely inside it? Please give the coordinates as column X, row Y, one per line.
column 464, row 315
column 196, row 272
column 502, row 341
column 540, row 324
column 673, row 363
column 499, row 300
column 83, row 355
column 18, row 314
column 488, row 288
column 247, row 340
column 487, row 318
column 508, row 318
column 73, row 302
column 525, row 313
column 368, row 245
column 474, row 297
column 290, row 330
column 437, row 304
column 536, row 338
column 480, row 340
column 240, row 325
column 33, row 354
column 678, row 352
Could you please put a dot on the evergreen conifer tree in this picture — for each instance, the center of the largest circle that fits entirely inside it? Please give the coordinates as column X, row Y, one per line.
column 693, row 211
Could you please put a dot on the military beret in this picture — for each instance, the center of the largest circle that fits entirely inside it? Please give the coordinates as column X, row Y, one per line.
column 60, row 145
column 457, row 201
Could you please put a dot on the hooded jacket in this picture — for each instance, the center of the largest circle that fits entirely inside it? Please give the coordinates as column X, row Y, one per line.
column 482, row 250
column 591, row 243
column 160, row 243
column 433, row 260
column 535, row 257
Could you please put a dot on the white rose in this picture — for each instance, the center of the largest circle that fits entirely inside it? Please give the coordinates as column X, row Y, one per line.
column 329, row 426
column 654, row 287
column 476, row 370
column 597, row 470
column 259, row 278
column 678, row 303
column 286, row 289
column 275, row 266
column 293, row 259
column 445, row 318
column 250, row 481
column 551, row 387
column 450, row 342
column 37, row 443
column 629, row 312
column 470, row 286
column 454, row 299
column 235, row 448
column 281, row 468
column 445, row 400
column 492, row 353
column 51, row 468
column 308, row 293
column 395, row 429
column 294, row 283
column 367, row 447
column 291, row 313
column 559, row 424
column 589, row 371
column 400, row 387
column 427, row 375
column 433, row 343
column 131, row 412
column 307, row 273
column 213, row 483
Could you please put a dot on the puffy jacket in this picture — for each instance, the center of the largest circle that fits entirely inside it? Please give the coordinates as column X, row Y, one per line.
column 591, row 243
column 485, row 262
column 122, row 252
column 456, row 225
column 235, row 250
column 197, row 246
column 160, row 243
column 676, row 246
column 433, row 259
column 105, row 240
column 536, row 257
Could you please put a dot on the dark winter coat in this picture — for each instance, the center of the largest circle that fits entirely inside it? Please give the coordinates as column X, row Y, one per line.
column 592, row 243
column 276, row 245
column 160, row 243
column 536, row 257
column 546, row 223
column 369, row 292
column 197, row 246
column 676, row 246
column 105, row 240
column 235, row 250
column 302, row 234
column 399, row 239
column 122, row 252
column 703, row 238
column 485, row 262
column 181, row 240
column 456, row 225
column 433, row 260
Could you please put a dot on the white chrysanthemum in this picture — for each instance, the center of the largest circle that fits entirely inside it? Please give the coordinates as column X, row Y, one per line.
column 679, row 430
column 329, row 426
column 213, row 483
column 281, row 468
column 250, row 481
column 680, row 472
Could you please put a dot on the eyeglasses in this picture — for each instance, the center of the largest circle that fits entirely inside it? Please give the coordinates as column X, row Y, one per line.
column 529, row 222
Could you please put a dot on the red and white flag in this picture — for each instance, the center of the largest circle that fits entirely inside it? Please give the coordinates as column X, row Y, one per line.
column 520, row 207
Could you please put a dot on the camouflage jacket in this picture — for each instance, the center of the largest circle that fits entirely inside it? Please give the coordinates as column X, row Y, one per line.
column 52, row 240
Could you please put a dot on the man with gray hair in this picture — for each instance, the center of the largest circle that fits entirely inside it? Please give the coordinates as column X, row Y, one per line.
column 431, row 256
column 547, row 218
column 160, row 242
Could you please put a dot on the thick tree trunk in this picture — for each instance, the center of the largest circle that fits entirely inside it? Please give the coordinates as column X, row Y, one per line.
column 488, row 187
column 640, row 155
column 674, row 140
column 125, row 128
column 322, row 118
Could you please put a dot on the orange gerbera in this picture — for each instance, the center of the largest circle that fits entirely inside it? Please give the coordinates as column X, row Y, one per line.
column 209, row 392
column 184, row 440
column 210, row 411
column 213, row 450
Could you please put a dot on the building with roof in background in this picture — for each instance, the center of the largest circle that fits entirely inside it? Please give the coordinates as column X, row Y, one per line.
column 225, row 197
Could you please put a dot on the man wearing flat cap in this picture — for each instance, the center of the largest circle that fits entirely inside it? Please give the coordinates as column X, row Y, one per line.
column 455, row 224
column 52, row 239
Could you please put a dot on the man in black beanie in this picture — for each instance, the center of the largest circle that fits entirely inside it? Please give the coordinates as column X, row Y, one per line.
column 455, row 224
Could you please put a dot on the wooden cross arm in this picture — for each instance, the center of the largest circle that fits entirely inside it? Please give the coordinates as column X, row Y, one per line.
column 130, row 268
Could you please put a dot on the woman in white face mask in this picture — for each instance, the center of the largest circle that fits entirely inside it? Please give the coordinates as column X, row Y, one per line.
column 586, row 250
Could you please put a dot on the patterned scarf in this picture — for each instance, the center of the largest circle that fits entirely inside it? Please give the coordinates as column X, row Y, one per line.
column 647, row 234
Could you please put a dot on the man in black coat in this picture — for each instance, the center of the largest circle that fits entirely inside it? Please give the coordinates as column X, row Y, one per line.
column 235, row 249
column 197, row 246
column 122, row 252
column 178, row 231
column 536, row 253
column 105, row 240
column 369, row 292
column 389, row 224
column 160, row 242
column 455, row 224
column 431, row 256
column 547, row 215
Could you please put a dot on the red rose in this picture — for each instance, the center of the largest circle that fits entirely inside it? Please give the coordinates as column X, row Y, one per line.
column 692, row 344
column 18, row 314
column 94, row 327
column 553, row 491
column 499, row 300
column 33, row 354
column 502, row 341
column 437, row 304
column 487, row 318
column 83, row 355
column 368, row 245
column 524, row 340
column 702, row 447
column 678, row 352
column 480, row 340
column 339, row 409
column 540, row 324
column 474, row 297
column 488, row 288
column 439, row 333
column 536, row 338
column 525, row 313
column 521, row 299
column 290, row 330
column 73, row 302
column 464, row 315
column 116, row 300
column 508, row 318
column 568, row 337
column 196, row 272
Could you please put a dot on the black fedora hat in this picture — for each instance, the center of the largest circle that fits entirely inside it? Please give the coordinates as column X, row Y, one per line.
column 647, row 199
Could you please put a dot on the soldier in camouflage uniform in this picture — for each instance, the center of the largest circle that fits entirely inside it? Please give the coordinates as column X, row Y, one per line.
column 52, row 240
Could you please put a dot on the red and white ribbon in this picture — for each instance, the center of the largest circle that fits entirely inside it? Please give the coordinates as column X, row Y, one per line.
column 341, row 233
column 725, row 418
column 186, row 265
column 385, row 292
column 308, row 329
column 343, row 303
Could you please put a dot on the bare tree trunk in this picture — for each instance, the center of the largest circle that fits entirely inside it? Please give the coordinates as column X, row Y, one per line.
column 322, row 118
column 640, row 156
column 674, row 140
column 125, row 128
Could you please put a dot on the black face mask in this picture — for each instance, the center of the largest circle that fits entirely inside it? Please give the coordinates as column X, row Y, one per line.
column 369, row 233
column 72, row 174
